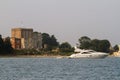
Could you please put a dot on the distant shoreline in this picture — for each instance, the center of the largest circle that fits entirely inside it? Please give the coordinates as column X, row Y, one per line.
column 32, row 56
column 39, row 56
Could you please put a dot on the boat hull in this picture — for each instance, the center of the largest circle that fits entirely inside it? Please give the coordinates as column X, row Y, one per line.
column 88, row 56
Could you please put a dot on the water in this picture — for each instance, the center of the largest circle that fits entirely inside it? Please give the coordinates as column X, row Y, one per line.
column 59, row 69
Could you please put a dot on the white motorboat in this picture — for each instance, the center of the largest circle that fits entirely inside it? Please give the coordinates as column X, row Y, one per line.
column 87, row 54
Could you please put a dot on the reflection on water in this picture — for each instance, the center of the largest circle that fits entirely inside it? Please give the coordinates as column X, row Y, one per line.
column 59, row 69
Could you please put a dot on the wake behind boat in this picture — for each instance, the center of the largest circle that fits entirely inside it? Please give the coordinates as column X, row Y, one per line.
column 87, row 54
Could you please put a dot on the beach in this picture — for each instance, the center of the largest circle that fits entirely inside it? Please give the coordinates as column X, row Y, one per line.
column 32, row 56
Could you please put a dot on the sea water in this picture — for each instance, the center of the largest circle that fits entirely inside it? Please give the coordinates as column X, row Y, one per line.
column 59, row 69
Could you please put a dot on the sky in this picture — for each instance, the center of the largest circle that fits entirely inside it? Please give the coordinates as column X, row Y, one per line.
column 68, row 20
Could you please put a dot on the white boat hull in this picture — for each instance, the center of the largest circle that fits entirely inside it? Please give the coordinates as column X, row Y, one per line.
column 93, row 56
column 81, row 53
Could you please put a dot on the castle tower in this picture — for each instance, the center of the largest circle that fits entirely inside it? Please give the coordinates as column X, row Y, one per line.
column 24, row 34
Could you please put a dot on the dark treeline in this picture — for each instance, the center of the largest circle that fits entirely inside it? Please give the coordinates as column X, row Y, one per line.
column 94, row 44
column 49, row 42
column 51, row 45
column 5, row 46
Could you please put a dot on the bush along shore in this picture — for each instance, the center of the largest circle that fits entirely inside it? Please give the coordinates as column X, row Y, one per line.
column 35, row 53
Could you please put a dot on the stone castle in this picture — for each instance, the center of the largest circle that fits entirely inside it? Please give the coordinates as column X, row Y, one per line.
column 25, row 38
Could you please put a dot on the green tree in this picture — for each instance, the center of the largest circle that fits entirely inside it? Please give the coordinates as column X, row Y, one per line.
column 95, row 44
column 66, row 47
column 49, row 42
column 7, row 45
column 45, row 39
column 116, row 48
column 54, row 42
column 1, row 45
column 104, row 46
column 85, row 42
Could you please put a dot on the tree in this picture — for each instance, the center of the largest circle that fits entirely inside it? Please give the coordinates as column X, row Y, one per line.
column 49, row 42
column 104, row 46
column 85, row 42
column 54, row 42
column 45, row 39
column 95, row 44
column 116, row 48
column 1, row 45
column 66, row 47
column 7, row 45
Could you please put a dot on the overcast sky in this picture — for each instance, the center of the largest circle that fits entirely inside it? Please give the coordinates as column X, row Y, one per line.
column 68, row 20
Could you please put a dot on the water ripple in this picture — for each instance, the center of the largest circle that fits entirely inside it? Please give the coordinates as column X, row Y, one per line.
column 59, row 69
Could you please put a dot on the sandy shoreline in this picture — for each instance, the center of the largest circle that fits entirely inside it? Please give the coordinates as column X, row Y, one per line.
column 32, row 56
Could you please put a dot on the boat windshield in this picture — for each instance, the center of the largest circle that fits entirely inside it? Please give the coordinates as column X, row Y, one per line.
column 85, row 53
column 91, row 51
column 88, row 52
